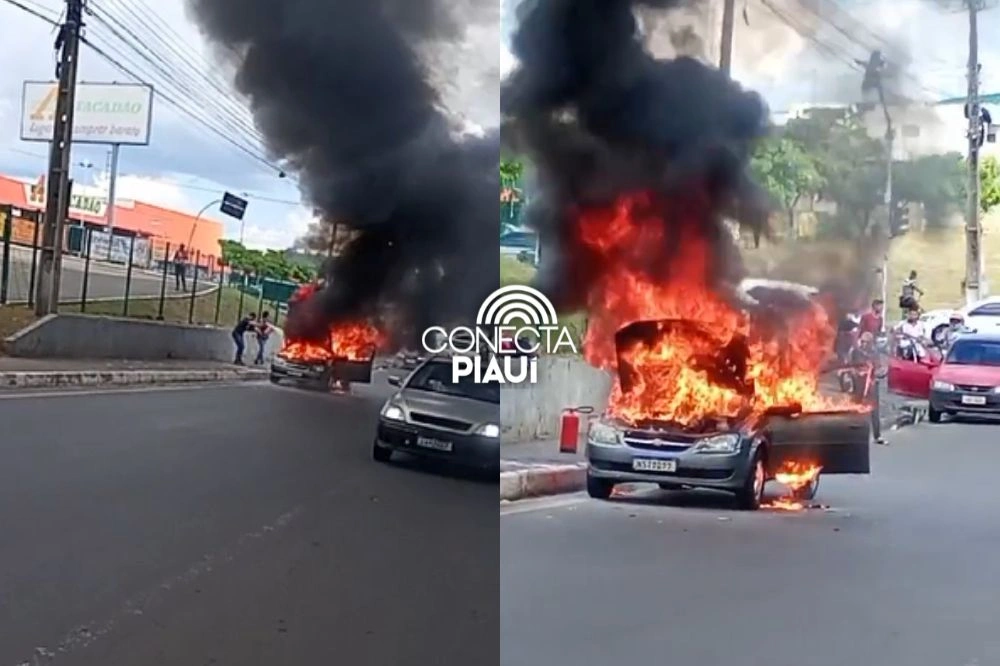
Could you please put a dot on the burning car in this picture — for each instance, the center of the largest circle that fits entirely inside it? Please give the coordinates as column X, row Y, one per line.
column 345, row 358
column 689, row 412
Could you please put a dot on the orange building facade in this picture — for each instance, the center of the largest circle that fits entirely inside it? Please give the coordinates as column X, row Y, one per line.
column 89, row 207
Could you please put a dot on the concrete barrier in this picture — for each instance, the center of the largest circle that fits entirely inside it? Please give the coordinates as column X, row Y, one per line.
column 532, row 411
column 97, row 337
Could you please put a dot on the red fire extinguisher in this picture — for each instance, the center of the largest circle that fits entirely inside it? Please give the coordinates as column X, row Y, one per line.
column 569, row 430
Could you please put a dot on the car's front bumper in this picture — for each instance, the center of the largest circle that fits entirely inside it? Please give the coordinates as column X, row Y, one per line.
column 695, row 470
column 465, row 449
column 963, row 401
column 301, row 373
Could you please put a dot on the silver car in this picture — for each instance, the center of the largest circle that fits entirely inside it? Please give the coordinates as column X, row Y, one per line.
column 433, row 417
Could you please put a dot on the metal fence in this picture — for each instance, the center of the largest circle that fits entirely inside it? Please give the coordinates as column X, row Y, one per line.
column 126, row 280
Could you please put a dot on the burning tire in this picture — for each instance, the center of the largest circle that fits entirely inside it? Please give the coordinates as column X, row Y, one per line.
column 807, row 493
column 751, row 496
column 599, row 488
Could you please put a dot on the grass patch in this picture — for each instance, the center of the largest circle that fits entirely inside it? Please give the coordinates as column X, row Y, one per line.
column 178, row 310
column 12, row 319
column 513, row 271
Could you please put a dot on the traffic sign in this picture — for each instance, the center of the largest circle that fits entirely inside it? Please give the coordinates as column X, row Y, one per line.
column 233, row 206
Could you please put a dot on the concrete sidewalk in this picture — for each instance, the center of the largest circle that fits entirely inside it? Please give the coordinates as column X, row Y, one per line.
column 22, row 373
column 534, row 469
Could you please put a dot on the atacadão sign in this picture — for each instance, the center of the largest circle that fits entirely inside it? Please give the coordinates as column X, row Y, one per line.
column 110, row 113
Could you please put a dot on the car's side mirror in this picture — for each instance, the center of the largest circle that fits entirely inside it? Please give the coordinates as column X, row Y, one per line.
column 395, row 381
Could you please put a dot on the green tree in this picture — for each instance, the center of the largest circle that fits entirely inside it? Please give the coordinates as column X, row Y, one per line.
column 788, row 172
column 851, row 165
column 511, row 191
column 936, row 181
column 989, row 183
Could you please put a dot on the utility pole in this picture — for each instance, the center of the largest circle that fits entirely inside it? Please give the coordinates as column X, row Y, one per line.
column 973, row 230
column 57, row 184
column 726, row 46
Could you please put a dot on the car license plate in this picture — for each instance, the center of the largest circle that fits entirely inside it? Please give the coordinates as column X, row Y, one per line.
column 645, row 465
column 973, row 400
column 434, row 444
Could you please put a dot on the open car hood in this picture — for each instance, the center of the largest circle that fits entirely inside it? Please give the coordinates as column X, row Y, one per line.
column 724, row 364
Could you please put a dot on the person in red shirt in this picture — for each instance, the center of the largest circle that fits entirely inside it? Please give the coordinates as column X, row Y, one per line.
column 873, row 320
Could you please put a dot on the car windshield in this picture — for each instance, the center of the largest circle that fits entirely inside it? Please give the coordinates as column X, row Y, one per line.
column 975, row 352
column 436, row 378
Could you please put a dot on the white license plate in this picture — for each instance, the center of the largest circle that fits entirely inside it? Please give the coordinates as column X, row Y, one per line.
column 434, row 444
column 973, row 400
column 646, row 465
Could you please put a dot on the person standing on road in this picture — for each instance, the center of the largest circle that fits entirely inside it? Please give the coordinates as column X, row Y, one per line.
column 180, row 268
column 264, row 330
column 865, row 357
column 246, row 324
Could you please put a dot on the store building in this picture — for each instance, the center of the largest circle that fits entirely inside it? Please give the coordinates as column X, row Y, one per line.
column 143, row 230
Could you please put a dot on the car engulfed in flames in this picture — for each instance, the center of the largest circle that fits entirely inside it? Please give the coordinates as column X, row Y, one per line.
column 346, row 356
column 715, row 388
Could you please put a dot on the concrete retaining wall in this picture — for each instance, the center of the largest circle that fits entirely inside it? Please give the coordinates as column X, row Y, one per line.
column 94, row 337
column 530, row 412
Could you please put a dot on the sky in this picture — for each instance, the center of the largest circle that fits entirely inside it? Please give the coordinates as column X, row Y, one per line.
column 796, row 57
column 187, row 165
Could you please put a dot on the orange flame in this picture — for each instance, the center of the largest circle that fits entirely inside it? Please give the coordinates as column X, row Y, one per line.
column 354, row 341
column 636, row 282
column 795, row 477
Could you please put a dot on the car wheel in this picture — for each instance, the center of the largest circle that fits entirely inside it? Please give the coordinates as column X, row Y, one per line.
column 938, row 334
column 934, row 415
column 381, row 454
column 808, row 493
column 751, row 495
column 599, row 488
column 275, row 379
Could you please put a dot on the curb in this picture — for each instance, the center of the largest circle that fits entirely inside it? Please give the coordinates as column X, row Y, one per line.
column 58, row 378
column 542, row 480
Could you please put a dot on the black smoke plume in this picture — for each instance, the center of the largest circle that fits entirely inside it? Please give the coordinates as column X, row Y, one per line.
column 599, row 116
column 339, row 92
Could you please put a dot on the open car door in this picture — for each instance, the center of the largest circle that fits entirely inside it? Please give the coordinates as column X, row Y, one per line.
column 838, row 442
column 353, row 371
column 910, row 373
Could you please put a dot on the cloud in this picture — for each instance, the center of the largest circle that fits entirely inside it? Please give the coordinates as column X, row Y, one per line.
column 294, row 225
column 149, row 189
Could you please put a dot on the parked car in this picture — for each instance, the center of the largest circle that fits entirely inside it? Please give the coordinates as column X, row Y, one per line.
column 982, row 316
column 967, row 380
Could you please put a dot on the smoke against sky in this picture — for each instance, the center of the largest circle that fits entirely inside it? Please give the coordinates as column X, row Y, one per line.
column 601, row 118
column 343, row 96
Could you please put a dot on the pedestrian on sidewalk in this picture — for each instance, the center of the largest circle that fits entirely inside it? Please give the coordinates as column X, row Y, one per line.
column 264, row 330
column 180, row 268
column 246, row 324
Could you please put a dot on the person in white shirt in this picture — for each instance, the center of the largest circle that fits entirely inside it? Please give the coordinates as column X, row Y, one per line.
column 911, row 334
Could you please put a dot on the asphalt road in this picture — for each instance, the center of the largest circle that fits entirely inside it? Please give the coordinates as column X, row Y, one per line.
column 903, row 569
column 104, row 281
column 235, row 525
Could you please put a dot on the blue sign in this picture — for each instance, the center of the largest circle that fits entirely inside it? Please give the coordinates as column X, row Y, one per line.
column 233, row 206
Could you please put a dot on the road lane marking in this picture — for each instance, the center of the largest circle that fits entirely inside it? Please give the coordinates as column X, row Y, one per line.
column 72, row 393
column 541, row 504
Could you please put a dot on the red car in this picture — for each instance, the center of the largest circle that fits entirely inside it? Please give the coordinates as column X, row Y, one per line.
column 966, row 381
